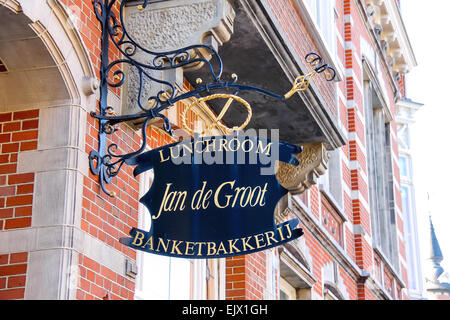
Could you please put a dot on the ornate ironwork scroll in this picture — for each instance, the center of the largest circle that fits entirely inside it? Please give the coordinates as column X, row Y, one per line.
column 106, row 162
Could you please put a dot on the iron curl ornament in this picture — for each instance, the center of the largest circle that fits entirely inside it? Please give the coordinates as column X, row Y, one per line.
column 106, row 162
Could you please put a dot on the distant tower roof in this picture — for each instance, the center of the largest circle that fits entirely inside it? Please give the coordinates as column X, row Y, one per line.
column 438, row 281
column 434, row 256
column 435, row 252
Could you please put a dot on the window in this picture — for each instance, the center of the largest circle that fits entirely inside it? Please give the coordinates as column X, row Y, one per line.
column 411, row 254
column 287, row 291
column 322, row 12
column 331, row 188
column 380, row 174
column 166, row 278
column 403, row 163
column 377, row 268
column 403, row 136
column 331, row 180
column 160, row 277
column 332, row 283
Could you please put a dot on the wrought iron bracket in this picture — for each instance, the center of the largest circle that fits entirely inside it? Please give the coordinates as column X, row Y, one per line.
column 105, row 162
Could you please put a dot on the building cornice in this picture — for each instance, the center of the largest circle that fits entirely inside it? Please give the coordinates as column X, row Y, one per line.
column 386, row 19
column 377, row 46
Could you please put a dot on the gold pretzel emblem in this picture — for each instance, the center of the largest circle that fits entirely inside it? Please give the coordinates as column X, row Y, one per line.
column 216, row 120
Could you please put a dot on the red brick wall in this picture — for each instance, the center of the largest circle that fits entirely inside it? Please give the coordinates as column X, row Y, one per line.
column 108, row 219
column 246, row 277
column 104, row 217
column 13, row 269
column 349, row 284
column 363, row 253
column 299, row 38
column 98, row 282
column 18, row 133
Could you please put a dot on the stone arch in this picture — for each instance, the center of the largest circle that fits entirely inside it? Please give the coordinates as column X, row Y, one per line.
column 53, row 73
column 46, row 59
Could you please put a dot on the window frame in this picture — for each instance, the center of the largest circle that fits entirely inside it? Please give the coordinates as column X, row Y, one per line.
column 380, row 170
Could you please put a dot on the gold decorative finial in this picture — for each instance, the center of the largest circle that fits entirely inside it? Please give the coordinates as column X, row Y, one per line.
column 301, row 83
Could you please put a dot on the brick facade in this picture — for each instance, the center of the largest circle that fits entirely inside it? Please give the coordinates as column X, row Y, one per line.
column 107, row 219
column 18, row 133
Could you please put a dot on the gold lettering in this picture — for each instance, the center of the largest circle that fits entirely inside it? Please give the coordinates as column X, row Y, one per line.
column 185, row 146
column 289, row 230
column 216, row 195
column 211, row 246
column 137, row 237
column 179, row 195
column 237, row 191
column 223, row 144
column 259, row 240
column 161, row 241
column 207, row 196
column 271, row 237
column 262, row 203
column 150, row 240
column 237, row 145
column 162, row 157
column 163, row 202
column 188, row 247
column 232, row 245
column 195, row 146
column 200, row 244
column 221, row 247
column 175, row 245
column 171, row 152
column 245, row 244
column 198, row 193
column 247, row 199
column 168, row 206
column 208, row 143
column 252, row 204
column 281, row 233
column 260, row 147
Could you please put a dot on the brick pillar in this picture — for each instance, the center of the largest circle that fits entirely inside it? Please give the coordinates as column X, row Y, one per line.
column 246, row 277
column 356, row 147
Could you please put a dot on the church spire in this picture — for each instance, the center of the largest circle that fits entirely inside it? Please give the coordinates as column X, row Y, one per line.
column 434, row 255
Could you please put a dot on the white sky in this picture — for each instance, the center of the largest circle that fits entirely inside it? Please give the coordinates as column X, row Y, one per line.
column 428, row 26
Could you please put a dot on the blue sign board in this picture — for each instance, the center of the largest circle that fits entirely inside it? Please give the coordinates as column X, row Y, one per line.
column 214, row 197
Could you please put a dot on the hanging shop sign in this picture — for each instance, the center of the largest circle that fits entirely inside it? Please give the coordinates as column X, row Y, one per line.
column 211, row 196
column 214, row 197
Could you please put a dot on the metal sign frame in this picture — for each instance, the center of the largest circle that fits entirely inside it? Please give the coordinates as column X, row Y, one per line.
column 105, row 161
